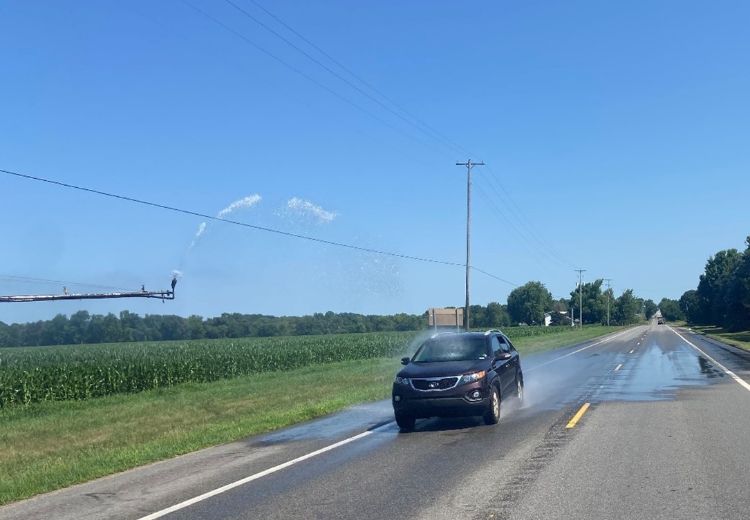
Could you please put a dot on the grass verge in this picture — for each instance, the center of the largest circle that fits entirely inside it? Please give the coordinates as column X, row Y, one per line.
column 534, row 344
column 50, row 445
column 739, row 339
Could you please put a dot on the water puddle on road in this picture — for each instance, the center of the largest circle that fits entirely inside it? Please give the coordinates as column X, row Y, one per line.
column 355, row 419
column 657, row 373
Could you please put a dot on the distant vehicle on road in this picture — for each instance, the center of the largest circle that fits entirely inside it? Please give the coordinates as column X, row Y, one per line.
column 457, row 374
column 660, row 321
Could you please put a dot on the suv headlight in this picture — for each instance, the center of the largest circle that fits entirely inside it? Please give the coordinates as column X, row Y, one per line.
column 471, row 378
column 402, row 380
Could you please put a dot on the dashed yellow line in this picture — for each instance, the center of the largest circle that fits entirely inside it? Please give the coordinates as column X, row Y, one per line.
column 578, row 415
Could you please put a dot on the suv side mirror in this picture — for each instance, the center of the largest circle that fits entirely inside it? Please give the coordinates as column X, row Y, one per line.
column 405, row 360
column 504, row 355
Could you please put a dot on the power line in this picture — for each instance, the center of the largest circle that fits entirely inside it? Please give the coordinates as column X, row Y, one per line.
column 415, row 121
column 542, row 255
column 239, row 223
column 301, row 72
column 417, row 125
column 492, row 179
column 495, row 277
column 30, row 279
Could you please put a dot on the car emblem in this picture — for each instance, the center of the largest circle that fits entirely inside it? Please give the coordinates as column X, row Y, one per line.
column 433, row 384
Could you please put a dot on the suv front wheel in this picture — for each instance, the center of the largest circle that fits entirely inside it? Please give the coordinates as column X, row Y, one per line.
column 405, row 421
column 492, row 416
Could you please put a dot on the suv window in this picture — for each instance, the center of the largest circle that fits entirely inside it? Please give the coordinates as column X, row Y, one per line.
column 451, row 348
column 496, row 346
column 505, row 345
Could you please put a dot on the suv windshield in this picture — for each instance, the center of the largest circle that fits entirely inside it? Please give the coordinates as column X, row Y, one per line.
column 451, row 348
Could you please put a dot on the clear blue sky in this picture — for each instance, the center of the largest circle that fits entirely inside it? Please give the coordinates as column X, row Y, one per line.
column 619, row 129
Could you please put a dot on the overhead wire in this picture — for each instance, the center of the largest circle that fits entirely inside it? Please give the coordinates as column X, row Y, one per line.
column 514, row 209
column 410, row 121
column 510, row 224
column 302, row 73
column 430, row 132
column 66, row 283
column 239, row 223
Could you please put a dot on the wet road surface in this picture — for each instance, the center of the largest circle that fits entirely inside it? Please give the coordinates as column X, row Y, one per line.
column 664, row 437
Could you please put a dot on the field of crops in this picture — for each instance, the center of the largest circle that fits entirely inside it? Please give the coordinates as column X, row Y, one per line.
column 34, row 374
column 80, row 372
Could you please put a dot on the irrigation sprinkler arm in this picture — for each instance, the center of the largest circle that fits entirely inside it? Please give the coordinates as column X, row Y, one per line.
column 143, row 293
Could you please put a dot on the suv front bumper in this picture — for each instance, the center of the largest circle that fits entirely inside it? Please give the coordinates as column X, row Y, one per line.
column 451, row 403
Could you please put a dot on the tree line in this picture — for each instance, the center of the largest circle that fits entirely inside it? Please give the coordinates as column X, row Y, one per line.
column 529, row 303
column 83, row 327
column 723, row 293
column 526, row 305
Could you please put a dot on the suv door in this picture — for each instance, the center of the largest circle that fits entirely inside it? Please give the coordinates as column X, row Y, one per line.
column 503, row 367
column 514, row 364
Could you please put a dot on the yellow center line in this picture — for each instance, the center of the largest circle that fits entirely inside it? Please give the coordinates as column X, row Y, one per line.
column 578, row 415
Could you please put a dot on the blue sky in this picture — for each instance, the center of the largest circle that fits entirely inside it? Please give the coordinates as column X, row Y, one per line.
column 616, row 137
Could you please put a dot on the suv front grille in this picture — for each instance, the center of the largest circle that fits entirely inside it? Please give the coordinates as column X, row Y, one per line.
column 438, row 383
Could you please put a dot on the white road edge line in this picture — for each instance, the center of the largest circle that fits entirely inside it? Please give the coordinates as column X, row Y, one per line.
column 728, row 372
column 256, row 476
column 579, row 350
column 618, row 367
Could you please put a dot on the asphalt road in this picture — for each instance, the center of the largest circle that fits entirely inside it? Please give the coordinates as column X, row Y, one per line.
column 665, row 436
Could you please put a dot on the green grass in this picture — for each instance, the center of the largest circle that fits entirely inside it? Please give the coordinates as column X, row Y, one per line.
column 51, row 445
column 54, row 444
column 570, row 336
column 739, row 339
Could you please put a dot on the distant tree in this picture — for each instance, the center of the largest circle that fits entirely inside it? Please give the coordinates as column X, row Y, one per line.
column 528, row 303
column 670, row 309
column 497, row 315
column 689, row 305
column 649, row 308
column 714, row 284
column 594, row 302
column 627, row 309
column 5, row 335
column 737, row 294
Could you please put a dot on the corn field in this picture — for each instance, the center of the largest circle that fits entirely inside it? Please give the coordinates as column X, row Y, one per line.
column 60, row 373
column 75, row 372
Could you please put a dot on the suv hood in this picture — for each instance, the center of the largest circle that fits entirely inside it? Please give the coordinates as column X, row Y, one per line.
column 443, row 368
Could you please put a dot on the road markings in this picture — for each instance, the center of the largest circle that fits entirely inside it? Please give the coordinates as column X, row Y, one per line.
column 578, row 350
column 256, row 476
column 728, row 372
column 578, row 415
column 618, row 367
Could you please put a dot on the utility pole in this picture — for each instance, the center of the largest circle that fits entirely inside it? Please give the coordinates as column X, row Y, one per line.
column 469, row 165
column 608, row 280
column 580, row 295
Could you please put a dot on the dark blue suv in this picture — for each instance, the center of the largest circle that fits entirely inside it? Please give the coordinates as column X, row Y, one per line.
column 457, row 374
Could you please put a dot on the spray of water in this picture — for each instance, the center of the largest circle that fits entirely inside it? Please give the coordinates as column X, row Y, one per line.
column 306, row 210
column 244, row 202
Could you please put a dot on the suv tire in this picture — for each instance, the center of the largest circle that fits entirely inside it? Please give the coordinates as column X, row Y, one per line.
column 492, row 416
column 405, row 421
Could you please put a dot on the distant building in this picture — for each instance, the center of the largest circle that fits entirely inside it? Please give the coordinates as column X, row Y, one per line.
column 445, row 317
